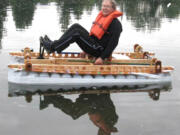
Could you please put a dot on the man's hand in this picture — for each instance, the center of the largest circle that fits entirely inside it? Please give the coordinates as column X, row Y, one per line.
column 99, row 61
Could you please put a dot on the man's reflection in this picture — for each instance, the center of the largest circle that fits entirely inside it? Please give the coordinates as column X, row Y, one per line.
column 100, row 109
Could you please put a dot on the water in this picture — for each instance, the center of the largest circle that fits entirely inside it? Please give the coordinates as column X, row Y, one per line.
column 151, row 23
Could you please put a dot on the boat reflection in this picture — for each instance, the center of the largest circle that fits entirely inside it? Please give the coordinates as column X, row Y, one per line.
column 153, row 90
column 97, row 104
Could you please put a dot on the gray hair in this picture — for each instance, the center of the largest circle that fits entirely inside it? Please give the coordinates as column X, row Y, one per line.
column 113, row 2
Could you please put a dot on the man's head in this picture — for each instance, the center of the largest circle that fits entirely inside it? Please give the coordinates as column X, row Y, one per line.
column 104, row 128
column 108, row 6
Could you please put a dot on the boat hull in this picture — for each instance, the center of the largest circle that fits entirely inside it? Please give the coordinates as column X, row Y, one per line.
column 31, row 81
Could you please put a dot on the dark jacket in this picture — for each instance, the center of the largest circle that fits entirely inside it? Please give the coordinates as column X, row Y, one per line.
column 109, row 41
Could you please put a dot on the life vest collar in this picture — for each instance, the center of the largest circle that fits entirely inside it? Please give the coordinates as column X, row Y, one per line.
column 101, row 23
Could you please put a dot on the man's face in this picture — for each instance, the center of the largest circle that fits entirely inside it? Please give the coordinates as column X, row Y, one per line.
column 106, row 8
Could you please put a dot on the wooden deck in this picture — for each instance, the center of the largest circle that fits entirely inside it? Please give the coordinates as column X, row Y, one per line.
column 74, row 63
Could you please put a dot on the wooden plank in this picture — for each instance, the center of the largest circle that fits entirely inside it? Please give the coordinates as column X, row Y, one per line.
column 91, row 69
column 17, row 66
column 82, row 61
column 133, row 55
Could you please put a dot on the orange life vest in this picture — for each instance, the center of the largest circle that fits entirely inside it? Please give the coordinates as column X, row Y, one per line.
column 101, row 24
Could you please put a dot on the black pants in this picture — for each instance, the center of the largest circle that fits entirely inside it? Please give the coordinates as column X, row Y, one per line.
column 76, row 33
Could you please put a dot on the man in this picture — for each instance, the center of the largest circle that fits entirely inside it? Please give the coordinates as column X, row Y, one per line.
column 100, row 42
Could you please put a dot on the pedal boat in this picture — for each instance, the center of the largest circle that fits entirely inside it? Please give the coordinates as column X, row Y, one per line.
column 72, row 71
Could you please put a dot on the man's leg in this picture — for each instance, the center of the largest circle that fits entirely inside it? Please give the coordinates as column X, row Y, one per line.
column 76, row 33
column 82, row 38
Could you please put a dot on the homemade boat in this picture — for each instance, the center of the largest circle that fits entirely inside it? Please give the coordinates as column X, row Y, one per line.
column 74, row 71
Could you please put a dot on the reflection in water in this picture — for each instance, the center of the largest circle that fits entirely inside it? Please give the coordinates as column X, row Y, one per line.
column 28, row 90
column 23, row 12
column 148, row 14
column 3, row 14
column 100, row 109
column 145, row 14
column 98, row 105
column 66, row 8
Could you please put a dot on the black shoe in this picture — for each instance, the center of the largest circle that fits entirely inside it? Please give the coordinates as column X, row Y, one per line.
column 46, row 45
column 47, row 39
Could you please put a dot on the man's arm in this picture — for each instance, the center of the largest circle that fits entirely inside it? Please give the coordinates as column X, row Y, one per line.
column 115, row 31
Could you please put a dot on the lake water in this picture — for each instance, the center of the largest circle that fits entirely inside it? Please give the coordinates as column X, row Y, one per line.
column 153, row 24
